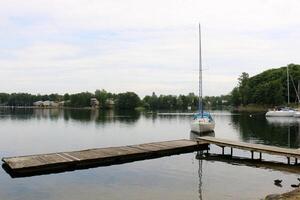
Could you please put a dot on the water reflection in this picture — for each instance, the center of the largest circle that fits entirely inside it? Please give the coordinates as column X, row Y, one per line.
column 194, row 136
column 255, row 163
column 81, row 115
column 34, row 131
column 200, row 154
column 283, row 121
column 278, row 132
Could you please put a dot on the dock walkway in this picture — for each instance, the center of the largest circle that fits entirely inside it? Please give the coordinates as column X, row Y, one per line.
column 64, row 161
column 260, row 148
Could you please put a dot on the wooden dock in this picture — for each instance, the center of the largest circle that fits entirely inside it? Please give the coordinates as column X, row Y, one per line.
column 65, row 161
column 289, row 153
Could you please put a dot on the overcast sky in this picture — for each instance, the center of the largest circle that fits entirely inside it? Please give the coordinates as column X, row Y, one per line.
column 58, row 46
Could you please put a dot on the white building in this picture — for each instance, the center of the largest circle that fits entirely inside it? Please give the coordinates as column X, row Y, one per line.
column 38, row 103
column 94, row 103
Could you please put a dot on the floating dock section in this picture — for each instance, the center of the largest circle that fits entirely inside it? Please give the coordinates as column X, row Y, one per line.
column 289, row 153
column 66, row 161
column 31, row 165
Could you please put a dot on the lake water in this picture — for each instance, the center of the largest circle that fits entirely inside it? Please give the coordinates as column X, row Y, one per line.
column 35, row 131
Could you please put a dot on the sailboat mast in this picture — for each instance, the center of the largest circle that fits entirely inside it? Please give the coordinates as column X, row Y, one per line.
column 288, row 85
column 298, row 92
column 200, row 74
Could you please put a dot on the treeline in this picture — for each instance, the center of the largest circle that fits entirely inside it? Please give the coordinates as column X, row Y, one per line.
column 127, row 100
column 267, row 88
column 183, row 102
column 25, row 99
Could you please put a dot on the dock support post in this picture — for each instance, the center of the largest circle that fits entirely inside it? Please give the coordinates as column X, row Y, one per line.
column 288, row 160
column 296, row 161
column 231, row 151
column 260, row 156
column 252, row 154
column 223, row 150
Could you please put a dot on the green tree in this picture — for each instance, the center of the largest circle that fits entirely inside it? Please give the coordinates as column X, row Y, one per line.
column 235, row 97
column 4, row 97
column 66, row 97
column 127, row 101
column 102, row 96
column 81, row 99
column 244, row 88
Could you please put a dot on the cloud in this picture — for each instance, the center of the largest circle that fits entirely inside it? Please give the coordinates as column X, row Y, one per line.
column 143, row 46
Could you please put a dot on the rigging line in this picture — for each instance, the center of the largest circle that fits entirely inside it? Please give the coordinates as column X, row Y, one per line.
column 295, row 88
column 200, row 74
column 288, row 85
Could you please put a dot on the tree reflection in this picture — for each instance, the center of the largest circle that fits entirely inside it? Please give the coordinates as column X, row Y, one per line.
column 275, row 131
column 80, row 115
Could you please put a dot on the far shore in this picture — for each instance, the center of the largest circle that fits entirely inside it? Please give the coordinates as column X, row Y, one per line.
column 247, row 108
column 259, row 108
column 52, row 107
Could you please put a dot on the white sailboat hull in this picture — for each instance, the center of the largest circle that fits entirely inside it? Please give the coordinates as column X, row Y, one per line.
column 297, row 114
column 201, row 126
column 280, row 113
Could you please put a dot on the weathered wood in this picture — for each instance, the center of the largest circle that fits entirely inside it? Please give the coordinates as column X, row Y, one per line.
column 295, row 153
column 99, row 156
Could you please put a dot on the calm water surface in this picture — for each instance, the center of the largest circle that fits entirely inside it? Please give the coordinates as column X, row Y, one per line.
column 28, row 131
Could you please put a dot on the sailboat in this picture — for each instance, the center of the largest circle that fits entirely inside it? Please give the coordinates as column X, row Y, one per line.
column 285, row 111
column 202, row 121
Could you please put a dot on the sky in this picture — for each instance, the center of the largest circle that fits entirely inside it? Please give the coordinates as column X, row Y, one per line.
column 69, row 46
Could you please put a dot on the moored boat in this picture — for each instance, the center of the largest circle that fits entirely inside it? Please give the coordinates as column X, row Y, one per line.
column 283, row 112
column 297, row 114
column 202, row 123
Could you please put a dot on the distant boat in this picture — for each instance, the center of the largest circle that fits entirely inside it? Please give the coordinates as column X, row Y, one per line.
column 285, row 111
column 202, row 121
column 281, row 112
column 297, row 114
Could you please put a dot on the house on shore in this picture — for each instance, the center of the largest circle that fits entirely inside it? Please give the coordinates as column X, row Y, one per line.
column 94, row 103
column 38, row 103
column 46, row 104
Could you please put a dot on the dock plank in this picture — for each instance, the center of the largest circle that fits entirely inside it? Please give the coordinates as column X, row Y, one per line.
column 40, row 162
column 295, row 153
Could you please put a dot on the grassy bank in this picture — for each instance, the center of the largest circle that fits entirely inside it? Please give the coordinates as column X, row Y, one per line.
column 252, row 108
column 260, row 108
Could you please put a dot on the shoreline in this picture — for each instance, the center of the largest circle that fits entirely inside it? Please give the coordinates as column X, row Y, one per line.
column 291, row 195
column 259, row 108
column 50, row 107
